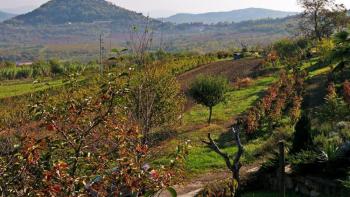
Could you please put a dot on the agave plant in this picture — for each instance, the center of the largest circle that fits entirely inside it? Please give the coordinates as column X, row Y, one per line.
column 341, row 53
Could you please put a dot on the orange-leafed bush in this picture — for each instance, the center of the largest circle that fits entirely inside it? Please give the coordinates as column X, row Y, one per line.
column 93, row 149
column 284, row 97
column 346, row 91
column 242, row 83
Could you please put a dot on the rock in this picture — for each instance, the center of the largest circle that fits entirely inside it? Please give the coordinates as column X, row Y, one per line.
column 314, row 193
column 308, row 182
column 288, row 169
column 304, row 190
column 253, row 170
column 289, row 183
column 192, row 194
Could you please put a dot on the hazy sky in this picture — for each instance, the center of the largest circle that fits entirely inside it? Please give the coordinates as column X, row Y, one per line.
column 158, row 8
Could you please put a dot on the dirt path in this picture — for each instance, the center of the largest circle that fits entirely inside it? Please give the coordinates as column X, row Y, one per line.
column 233, row 70
column 192, row 187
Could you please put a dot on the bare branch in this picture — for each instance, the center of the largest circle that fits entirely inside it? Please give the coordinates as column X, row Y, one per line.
column 239, row 145
column 215, row 148
column 235, row 166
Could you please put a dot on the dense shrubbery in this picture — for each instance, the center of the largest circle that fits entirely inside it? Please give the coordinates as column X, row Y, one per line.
column 51, row 68
column 176, row 63
column 179, row 65
column 291, row 52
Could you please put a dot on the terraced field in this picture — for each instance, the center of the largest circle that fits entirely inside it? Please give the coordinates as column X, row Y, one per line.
column 203, row 165
column 232, row 70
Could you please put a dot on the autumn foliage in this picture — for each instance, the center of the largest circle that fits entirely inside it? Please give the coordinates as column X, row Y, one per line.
column 88, row 147
column 346, row 91
column 284, row 97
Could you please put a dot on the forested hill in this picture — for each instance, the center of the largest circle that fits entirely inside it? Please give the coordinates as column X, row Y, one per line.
column 62, row 25
column 57, row 12
column 4, row 16
column 231, row 16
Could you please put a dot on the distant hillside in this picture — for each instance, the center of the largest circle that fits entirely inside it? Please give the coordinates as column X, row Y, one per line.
column 231, row 16
column 4, row 16
column 71, row 29
column 56, row 12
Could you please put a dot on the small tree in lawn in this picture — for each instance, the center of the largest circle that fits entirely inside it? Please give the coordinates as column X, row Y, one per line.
column 209, row 91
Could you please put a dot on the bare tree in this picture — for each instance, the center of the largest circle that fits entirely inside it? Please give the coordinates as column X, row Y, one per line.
column 233, row 164
column 321, row 17
column 141, row 42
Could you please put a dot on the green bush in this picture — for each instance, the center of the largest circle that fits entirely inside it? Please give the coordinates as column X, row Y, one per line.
column 23, row 73
column 223, row 54
column 56, row 67
column 302, row 136
column 303, row 157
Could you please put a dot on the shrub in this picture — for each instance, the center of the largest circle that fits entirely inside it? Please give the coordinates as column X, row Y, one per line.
column 223, row 54
column 155, row 99
column 55, row 67
column 325, row 47
column 302, row 136
column 24, row 73
column 242, row 83
column 303, row 157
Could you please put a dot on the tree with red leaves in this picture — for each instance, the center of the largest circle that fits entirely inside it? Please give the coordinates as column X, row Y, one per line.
column 91, row 148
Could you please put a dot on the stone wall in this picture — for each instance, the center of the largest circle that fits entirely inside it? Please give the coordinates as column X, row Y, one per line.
column 308, row 186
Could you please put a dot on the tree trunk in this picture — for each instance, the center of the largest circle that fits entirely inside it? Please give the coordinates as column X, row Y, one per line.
column 282, row 187
column 210, row 113
column 237, row 178
column 144, row 140
column 233, row 166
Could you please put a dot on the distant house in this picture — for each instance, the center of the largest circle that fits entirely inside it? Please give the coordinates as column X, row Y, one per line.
column 237, row 56
column 24, row 63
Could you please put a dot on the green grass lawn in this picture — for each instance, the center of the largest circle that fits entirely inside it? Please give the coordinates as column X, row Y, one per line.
column 201, row 158
column 315, row 67
column 22, row 87
column 237, row 102
column 10, row 89
column 204, row 159
column 319, row 71
column 308, row 64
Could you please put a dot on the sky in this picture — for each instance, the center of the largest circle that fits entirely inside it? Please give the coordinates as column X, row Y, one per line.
column 164, row 8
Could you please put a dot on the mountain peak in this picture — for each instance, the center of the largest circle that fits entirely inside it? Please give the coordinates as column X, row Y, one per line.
column 229, row 16
column 76, row 11
column 4, row 16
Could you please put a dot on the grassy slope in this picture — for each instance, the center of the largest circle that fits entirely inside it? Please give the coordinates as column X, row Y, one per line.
column 316, row 82
column 200, row 157
column 18, row 88
column 314, row 68
column 237, row 101
column 13, row 88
